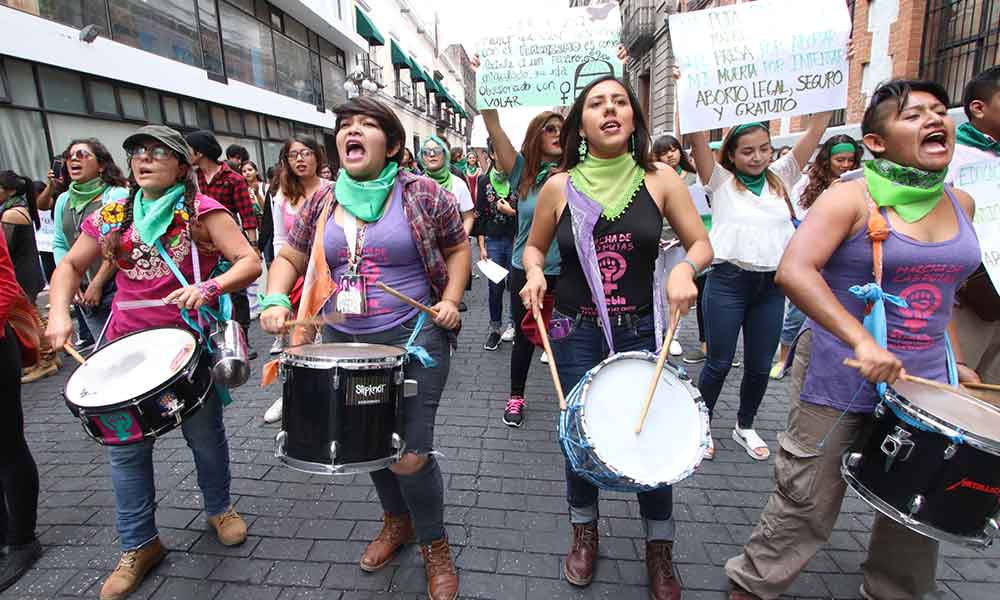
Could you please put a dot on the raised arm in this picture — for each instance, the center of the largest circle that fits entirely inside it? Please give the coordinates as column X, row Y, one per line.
column 504, row 149
column 704, row 160
column 807, row 144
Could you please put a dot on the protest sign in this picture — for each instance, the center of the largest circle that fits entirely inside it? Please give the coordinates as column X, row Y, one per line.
column 547, row 58
column 759, row 61
column 982, row 181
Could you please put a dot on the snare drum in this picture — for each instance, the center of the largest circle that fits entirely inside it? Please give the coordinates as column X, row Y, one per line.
column 342, row 408
column 932, row 463
column 597, row 429
column 140, row 386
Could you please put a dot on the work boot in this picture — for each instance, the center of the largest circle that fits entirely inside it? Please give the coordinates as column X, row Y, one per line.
column 442, row 578
column 663, row 584
column 16, row 561
column 132, row 569
column 46, row 367
column 579, row 567
column 396, row 531
column 230, row 527
column 738, row 593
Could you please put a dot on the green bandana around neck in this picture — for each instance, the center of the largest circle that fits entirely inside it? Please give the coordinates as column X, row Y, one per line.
column 911, row 192
column 611, row 182
column 443, row 175
column 679, row 169
column 366, row 199
column 500, row 183
column 545, row 171
column 82, row 194
column 152, row 218
column 13, row 202
column 754, row 183
column 968, row 135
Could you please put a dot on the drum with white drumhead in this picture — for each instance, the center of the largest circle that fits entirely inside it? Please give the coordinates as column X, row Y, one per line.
column 597, row 429
column 140, row 386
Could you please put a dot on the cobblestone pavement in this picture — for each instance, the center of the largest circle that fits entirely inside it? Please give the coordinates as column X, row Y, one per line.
column 505, row 507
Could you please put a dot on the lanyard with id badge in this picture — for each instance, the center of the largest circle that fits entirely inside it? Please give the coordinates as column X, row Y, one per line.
column 351, row 295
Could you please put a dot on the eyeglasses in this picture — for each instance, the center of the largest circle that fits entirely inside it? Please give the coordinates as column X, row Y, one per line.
column 431, row 152
column 303, row 154
column 80, row 154
column 553, row 129
column 157, row 153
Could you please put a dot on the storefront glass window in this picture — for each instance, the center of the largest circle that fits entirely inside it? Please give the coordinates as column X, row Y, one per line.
column 249, row 53
column 168, row 28
column 294, row 74
column 62, row 90
column 210, row 43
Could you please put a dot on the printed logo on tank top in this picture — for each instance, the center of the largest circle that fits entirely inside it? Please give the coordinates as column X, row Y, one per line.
column 919, row 286
column 612, row 250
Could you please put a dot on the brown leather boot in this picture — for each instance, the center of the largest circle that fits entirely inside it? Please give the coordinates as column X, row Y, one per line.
column 132, row 569
column 442, row 578
column 579, row 566
column 396, row 531
column 738, row 593
column 663, row 585
column 230, row 527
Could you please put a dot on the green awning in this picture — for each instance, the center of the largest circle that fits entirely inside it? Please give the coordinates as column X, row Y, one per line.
column 416, row 73
column 399, row 58
column 367, row 29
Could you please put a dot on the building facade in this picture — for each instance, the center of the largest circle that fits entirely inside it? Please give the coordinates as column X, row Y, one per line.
column 460, row 58
column 646, row 37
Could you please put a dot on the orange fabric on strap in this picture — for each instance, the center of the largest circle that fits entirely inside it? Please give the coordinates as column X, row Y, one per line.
column 878, row 232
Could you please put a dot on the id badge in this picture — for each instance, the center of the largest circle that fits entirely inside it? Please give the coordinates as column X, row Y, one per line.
column 351, row 295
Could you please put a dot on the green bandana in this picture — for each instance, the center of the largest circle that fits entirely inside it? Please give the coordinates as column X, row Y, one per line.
column 82, row 194
column 500, row 183
column 911, row 192
column 443, row 175
column 679, row 169
column 968, row 135
column 611, row 182
column 152, row 218
column 544, row 171
column 843, row 148
column 366, row 199
column 13, row 202
column 754, row 183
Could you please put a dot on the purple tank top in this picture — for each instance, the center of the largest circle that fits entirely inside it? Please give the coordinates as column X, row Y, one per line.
column 924, row 274
column 389, row 255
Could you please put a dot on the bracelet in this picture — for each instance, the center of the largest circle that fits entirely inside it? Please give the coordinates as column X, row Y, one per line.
column 960, row 362
column 694, row 267
column 274, row 300
column 210, row 290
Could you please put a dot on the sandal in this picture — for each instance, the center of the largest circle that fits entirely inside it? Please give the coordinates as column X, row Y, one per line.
column 710, row 451
column 752, row 443
column 777, row 371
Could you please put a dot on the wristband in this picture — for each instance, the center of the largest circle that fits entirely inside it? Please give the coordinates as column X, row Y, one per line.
column 274, row 300
column 210, row 290
column 694, row 267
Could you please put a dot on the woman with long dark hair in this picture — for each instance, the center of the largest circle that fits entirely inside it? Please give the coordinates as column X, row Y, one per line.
column 837, row 155
column 298, row 180
column 164, row 211
column 608, row 162
column 19, row 215
column 527, row 171
column 94, row 180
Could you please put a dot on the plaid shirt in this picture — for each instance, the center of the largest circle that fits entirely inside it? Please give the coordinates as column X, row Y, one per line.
column 229, row 189
column 432, row 212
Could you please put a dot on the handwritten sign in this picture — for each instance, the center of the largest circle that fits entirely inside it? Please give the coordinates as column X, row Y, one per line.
column 982, row 181
column 547, row 59
column 759, row 61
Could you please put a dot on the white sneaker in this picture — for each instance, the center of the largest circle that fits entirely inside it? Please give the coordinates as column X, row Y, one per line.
column 508, row 334
column 276, row 347
column 273, row 414
column 675, row 348
column 544, row 359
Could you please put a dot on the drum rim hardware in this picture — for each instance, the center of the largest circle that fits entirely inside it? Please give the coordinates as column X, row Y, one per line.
column 898, row 401
column 354, row 364
column 315, row 468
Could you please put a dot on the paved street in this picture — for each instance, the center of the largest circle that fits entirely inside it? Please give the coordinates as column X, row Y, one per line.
column 505, row 507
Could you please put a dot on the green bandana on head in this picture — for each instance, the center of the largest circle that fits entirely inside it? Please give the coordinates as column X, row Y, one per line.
column 366, row 199
column 83, row 193
column 968, row 135
column 911, row 192
column 152, row 218
column 500, row 183
column 443, row 175
column 611, row 182
column 754, row 183
column 843, row 148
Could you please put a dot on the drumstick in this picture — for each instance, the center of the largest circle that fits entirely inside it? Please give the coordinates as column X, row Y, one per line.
column 856, row 364
column 72, row 352
column 675, row 320
column 553, row 372
column 982, row 386
column 401, row 296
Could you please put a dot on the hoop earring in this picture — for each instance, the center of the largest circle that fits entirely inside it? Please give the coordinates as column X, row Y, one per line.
column 582, row 150
column 631, row 144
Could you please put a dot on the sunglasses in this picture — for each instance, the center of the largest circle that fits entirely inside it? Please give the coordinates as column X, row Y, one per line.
column 157, row 153
column 297, row 154
column 80, row 154
column 431, row 152
column 553, row 129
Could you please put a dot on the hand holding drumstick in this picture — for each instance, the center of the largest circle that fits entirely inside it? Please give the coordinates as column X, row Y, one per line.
column 444, row 313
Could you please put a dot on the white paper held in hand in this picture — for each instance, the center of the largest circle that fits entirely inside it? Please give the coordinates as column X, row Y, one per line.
column 492, row 271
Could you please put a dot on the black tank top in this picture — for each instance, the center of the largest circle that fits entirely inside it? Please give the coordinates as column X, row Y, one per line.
column 626, row 253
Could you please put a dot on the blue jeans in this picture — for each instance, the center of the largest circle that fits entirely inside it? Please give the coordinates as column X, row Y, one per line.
column 96, row 316
column 578, row 352
column 132, row 474
column 735, row 299
column 794, row 319
column 500, row 251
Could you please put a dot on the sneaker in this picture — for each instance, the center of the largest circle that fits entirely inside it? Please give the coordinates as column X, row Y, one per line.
column 251, row 354
column 675, row 348
column 273, row 413
column 694, row 357
column 276, row 347
column 736, row 363
column 230, row 527
column 492, row 342
column 513, row 415
column 777, row 371
column 462, row 307
column 544, row 359
column 508, row 334
column 16, row 562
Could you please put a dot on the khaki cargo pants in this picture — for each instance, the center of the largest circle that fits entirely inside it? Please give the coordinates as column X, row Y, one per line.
column 801, row 513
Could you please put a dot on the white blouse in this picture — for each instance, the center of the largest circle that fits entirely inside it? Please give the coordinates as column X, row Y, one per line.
column 751, row 231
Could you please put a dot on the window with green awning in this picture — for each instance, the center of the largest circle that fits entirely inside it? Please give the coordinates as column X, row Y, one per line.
column 367, row 29
column 399, row 58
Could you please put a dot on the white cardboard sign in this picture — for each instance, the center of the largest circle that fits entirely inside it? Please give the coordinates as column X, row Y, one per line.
column 982, row 181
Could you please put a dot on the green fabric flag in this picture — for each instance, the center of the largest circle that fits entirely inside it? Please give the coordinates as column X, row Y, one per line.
column 611, row 182
column 366, row 199
column 968, row 135
column 152, row 218
column 82, row 194
column 911, row 192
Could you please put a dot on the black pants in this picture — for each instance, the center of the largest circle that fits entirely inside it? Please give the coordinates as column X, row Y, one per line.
column 18, row 473
column 241, row 311
column 700, row 282
column 523, row 350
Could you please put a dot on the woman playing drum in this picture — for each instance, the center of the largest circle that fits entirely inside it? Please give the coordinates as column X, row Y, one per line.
column 382, row 223
column 163, row 209
column 607, row 159
column 928, row 248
